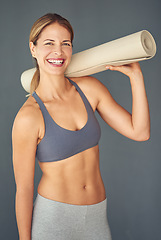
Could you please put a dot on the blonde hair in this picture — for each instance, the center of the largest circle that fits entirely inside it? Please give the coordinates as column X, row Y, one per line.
column 35, row 32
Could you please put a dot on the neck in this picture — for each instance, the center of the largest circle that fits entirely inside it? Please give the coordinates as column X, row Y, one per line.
column 52, row 86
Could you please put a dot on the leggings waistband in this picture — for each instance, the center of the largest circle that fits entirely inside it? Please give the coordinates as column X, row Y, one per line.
column 50, row 201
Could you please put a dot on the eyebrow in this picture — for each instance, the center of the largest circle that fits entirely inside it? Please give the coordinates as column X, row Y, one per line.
column 54, row 40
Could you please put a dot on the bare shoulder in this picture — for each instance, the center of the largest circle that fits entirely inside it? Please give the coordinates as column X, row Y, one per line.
column 91, row 85
column 27, row 117
column 93, row 89
column 88, row 82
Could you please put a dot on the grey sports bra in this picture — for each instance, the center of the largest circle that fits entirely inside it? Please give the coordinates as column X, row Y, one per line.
column 59, row 143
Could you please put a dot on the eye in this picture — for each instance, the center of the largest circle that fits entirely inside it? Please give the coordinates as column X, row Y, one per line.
column 67, row 44
column 49, row 43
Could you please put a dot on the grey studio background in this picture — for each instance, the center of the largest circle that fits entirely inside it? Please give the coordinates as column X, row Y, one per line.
column 131, row 170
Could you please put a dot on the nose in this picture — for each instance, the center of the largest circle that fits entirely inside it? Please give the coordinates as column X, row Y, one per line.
column 58, row 50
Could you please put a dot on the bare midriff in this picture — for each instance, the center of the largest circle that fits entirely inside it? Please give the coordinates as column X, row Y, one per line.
column 74, row 180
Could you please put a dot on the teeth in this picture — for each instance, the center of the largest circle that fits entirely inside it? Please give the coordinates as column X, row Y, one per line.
column 55, row 61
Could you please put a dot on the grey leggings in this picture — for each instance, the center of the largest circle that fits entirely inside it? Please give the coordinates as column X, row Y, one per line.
column 54, row 220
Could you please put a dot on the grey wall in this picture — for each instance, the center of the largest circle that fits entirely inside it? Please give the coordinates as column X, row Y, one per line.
column 130, row 170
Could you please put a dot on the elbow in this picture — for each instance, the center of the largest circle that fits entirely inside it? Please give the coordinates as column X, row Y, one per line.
column 147, row 136
column 144, row 136
column 24, row 190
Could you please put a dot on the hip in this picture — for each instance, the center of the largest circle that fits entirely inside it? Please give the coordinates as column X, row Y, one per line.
column 69, row 221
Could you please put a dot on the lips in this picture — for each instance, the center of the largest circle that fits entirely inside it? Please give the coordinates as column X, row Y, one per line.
column 58, row 62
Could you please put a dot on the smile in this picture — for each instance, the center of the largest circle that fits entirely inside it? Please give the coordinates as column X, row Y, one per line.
column 58, row 62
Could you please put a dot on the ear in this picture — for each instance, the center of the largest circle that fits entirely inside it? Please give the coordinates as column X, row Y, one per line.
column 32, row 49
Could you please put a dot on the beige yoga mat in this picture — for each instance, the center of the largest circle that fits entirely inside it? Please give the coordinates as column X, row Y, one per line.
column 135, row 47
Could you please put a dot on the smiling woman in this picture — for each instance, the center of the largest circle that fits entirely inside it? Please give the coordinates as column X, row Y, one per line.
column 53, row 49
column 64, row 45
column 57, row 124
column 48, row 41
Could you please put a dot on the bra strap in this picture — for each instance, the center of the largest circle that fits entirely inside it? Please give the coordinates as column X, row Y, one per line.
column 41, row 104
column 85, row 100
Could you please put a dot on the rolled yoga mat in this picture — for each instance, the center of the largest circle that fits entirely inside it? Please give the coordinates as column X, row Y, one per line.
column 135, row 47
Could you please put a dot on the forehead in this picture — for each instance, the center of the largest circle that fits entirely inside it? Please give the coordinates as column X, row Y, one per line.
column 55, row 30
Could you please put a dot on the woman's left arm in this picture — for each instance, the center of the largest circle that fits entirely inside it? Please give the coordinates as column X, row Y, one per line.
column 136, row 125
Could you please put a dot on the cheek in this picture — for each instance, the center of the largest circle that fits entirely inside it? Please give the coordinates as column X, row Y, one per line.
column 69, row 52
column 42, row 55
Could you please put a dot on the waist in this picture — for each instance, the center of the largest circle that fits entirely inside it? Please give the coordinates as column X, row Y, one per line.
column 76, row 195
column 80, row 190
column 76, row 180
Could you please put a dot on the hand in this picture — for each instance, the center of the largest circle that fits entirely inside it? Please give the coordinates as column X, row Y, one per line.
column 132, row 70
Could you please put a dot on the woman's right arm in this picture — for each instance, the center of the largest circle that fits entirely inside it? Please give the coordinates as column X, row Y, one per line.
column 24, row 143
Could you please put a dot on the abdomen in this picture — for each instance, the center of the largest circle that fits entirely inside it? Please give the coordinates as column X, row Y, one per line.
column 75, row 180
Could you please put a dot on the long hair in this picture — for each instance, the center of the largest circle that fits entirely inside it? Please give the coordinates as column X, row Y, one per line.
column 35, row 32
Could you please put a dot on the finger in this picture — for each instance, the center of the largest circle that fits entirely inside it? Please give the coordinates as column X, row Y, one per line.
column 107, row 67
column 117, row 68
column 111, row 67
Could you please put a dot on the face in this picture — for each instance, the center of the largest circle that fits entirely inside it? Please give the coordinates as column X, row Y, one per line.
column 53, row 50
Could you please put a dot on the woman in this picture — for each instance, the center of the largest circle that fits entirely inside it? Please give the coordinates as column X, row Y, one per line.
column 57, row 124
